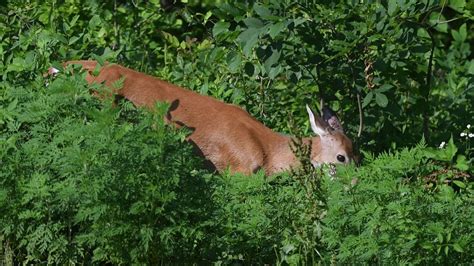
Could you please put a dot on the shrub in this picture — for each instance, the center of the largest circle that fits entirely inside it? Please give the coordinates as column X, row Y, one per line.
column 401, row 207
column 84, row 182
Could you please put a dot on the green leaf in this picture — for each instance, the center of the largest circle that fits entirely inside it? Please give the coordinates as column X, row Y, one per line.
column 44, row 17
column 253, row 23
column 298, row 21
column 461, row 163
column 456, row 35
column 171, row 39
column 384, row 88
column 272, row 60
column 459, row 183
column 108, row 54
column 446, row 154
column 471, row 67
column 381, row 99
column 367, row 99
column 118, row 84
column 100, row 60
column 220, row 27
column 276, row 28
column 73, row 39
column 249, row 38
column 446, row 193
column 435, row 18
column 234, row 61
column 440, row 238
column 205, row 44
column 73, row 21
column 274, row 71
column 457, row 5
column 392, row 7
column 262, row 10
column 3, row 197
column 463, row 32
column 94, row 22
column 29, row 59
column 458, row 248
column 288, row 248
column 451, row 149
column 207, row 16
column 12, row 105
column 422, row 33
column 17, row 65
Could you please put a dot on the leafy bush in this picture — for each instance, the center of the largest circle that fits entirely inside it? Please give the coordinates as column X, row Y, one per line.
column 261, row 221
column 401, row 208
column 409, row 62
column 84, row 182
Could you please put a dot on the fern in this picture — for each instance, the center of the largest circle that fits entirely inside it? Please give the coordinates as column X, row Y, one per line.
column 392, row 212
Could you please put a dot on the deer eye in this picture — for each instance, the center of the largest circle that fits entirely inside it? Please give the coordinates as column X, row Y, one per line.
column 341, row 158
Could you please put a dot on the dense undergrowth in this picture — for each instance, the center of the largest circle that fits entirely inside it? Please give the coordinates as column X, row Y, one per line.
column 84, row 182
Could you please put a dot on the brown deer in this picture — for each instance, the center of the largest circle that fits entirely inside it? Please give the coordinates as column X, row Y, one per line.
column 225, row 134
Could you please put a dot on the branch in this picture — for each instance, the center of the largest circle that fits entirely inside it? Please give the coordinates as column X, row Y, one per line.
column 316, row 80
column 426, row 94
column 361, row 116
column 446, row 21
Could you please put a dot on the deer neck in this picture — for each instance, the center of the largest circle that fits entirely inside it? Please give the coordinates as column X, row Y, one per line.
column 282, row 153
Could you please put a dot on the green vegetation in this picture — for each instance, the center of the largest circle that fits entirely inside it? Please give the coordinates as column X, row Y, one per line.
column 84, row 182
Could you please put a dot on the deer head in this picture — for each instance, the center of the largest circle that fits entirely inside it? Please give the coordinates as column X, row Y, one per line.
column 333, row 145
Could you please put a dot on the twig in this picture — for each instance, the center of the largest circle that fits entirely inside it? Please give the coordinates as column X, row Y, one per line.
column 361, row 116
column 116, row 31
column 262, row 97
column 446, row 21
column 440, row 12
column 316, row 80
column 426, row 95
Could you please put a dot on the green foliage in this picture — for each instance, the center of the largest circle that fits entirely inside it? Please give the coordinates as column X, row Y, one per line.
column 401, row 208
column 273, row 220
column 84, row 182
column 409, row 62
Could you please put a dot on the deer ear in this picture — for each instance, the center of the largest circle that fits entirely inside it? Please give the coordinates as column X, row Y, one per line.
column 329, row 116
column 318, row 125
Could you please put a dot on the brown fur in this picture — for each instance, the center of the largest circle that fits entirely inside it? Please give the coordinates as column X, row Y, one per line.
column 225, row 134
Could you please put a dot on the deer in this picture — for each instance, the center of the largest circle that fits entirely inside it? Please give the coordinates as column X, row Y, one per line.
column 225, row 134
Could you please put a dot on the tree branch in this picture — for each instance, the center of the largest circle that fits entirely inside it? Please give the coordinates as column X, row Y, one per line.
column 426, row 92
column 361, row 116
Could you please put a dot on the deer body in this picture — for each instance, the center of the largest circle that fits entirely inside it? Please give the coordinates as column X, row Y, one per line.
column 225, row 134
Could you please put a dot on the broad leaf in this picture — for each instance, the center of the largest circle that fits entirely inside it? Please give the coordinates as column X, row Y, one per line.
column 220, row 27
